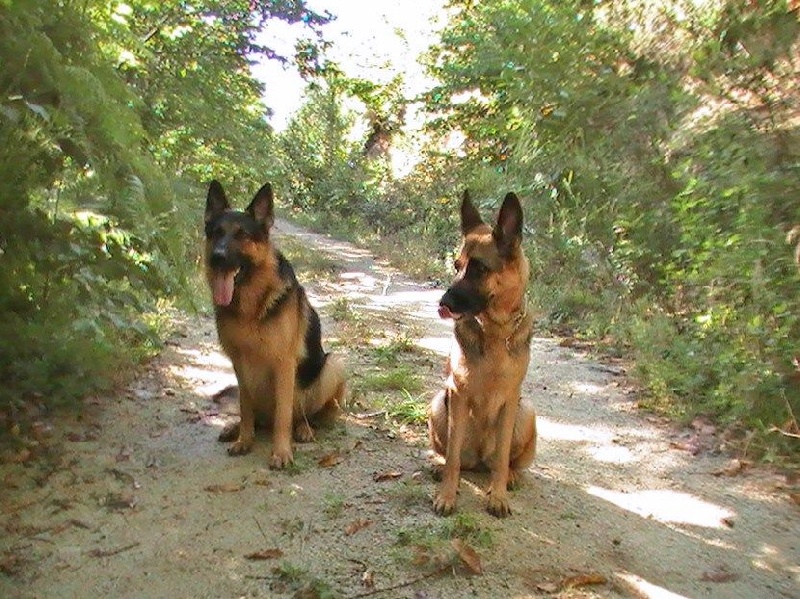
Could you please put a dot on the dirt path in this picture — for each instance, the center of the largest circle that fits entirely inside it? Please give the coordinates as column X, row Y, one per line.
column 137, row 499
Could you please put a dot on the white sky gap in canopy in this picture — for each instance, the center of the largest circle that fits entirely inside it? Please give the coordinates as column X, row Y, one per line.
column 373, row 39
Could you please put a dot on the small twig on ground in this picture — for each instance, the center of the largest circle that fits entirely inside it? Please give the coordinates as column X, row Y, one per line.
column 26, row 504
column 368, row 415
column 401, row 585
column 110, row 552
column 357, row 561
column 261, row 530
column 775, row 429
column 306, row 534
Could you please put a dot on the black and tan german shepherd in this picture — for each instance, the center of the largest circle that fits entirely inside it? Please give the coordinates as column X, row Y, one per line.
column 480, row 420
column 267, row 328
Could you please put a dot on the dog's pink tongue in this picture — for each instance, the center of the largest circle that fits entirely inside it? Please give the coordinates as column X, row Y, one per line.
column 444, row 312
column 222, row 288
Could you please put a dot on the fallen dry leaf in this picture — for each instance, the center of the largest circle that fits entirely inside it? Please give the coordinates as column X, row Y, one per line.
column 719, row 575
column 733, row 468
column 118, row 501
column 265, row 554
column 11, row 564
column 547, row 587
column 692, row 446
column 584, row 580
column 356, row 525
column 468, row 555
column 22, row 456
column 421, row 556
column 226, row 488
column 388, row 475
column 329, row 460
column 79, row 524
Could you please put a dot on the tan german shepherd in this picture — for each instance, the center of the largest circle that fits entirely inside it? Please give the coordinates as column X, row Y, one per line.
column 267, row 328
column 479, row 420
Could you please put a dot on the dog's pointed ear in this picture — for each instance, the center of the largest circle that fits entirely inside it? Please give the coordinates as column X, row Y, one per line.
column 261, row 208
column 508, row 230
column 216, row 201
column 470, row 217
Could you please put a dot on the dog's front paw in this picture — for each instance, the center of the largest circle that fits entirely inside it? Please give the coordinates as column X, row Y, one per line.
column 240, row 447
column 444, row 503
column 280, row 458
column 498, row 505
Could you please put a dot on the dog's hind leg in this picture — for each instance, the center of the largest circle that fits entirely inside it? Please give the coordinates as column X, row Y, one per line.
column 523, row 448
column 437, row 423
column 332, row 387
column 229, row 433
column 322, row 403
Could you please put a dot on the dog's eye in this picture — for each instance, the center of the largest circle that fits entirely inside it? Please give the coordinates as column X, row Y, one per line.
column 478, row 266
column 476, row 269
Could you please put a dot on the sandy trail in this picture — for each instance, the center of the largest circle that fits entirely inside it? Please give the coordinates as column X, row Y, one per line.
column 135, row 498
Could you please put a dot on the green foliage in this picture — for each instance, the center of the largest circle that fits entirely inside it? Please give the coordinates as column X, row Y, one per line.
column 289, row 577
column 111, row 118
column 409, row 409
column 321, row 165
column 399, row 378
column 464, row 526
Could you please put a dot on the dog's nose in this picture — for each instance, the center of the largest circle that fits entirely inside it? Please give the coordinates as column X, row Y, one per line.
column 219, row 255
column 449, row 299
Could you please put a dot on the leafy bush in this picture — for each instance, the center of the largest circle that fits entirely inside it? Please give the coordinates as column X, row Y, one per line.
column 112, row 117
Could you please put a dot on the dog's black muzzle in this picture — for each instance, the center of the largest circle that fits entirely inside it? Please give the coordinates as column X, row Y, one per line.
column 222, row 259
column 460, row 300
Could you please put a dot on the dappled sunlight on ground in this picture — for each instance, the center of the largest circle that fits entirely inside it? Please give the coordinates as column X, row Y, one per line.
column 772, row 559
column 612, row 454
column 205, row 371
column 439, row 345
column 549, row 429
column 585, row 388
column 358, row 281
column 664, row 505
column 646, row 590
